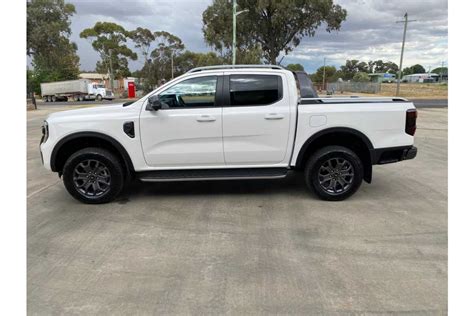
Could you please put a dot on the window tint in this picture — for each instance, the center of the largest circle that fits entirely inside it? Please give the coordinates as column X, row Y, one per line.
column 195, row 92
column 254, row 89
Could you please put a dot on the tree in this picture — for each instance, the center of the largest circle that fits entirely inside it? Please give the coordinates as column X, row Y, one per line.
column 143, row 39
column 329, row 74
column 352, row 67
column 109, row 39
column 275, row 26
column 168, row 47
column 48, row 29
column 418, row 69
column 295, row 67
column 361, row 77
column 407, row 71
column 383, row 67
column 189, row 60
column 440, row 70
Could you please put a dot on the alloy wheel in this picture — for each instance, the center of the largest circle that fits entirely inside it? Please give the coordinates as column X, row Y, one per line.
column 91, row 178
column 335, row 176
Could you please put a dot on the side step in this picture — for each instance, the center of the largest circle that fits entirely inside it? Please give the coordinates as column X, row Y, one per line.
column 212, row 174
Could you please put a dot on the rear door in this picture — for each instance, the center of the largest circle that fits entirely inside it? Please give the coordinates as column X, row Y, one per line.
column 256, row 119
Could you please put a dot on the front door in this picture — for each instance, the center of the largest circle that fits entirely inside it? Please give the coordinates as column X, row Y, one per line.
column 256, row 120
column 187, row 131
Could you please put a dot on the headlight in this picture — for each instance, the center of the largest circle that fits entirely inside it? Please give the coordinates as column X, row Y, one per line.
column 45, row 132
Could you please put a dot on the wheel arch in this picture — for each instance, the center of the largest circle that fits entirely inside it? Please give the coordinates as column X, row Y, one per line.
column 74, row 142
column 343, row 136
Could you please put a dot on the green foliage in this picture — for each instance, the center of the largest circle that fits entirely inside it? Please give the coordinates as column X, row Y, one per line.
column 415, row 69
column 329, row 73
column 418, row 69
column 440, row 70
column 274, row 26
column 189, row 60
column 53, row 56
column 379, row 66
column 110, row 40
column 361, row 77
column 143, row 39
column 295, row 67
column 352, row 67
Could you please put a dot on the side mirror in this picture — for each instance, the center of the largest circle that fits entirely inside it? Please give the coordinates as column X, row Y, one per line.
column 154, row 103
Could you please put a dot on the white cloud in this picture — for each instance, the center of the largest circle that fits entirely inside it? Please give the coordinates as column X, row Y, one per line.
column 370, row 31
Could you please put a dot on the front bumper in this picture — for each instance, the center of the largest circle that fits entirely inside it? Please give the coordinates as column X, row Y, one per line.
column 382, row 156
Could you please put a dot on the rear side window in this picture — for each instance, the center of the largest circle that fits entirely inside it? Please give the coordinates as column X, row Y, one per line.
column 247, row 90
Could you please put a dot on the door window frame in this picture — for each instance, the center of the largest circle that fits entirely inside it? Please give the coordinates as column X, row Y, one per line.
column 226, row 89
column 218, row 100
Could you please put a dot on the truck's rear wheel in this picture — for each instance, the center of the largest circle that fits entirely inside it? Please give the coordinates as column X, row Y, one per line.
column 45, row 98
column 54, row 99
column 93, row 175
column 334, row 173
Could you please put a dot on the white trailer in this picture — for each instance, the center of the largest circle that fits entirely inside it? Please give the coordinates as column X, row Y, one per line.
column 78, row 90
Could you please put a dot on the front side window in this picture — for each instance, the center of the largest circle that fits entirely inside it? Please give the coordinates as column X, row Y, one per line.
column 247, row 90
column 195, row 92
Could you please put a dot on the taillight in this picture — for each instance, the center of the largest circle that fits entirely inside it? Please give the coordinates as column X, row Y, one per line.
column 410, row 123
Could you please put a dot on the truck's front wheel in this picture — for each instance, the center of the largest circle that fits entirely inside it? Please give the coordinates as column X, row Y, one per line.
column 334, row 173
column 93, row 175
column 98, row 97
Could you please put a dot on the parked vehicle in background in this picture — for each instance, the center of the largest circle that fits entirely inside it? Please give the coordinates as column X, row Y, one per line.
column 76, row 90
column 229, row 122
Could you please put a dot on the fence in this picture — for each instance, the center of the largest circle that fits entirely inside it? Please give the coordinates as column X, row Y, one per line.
column 362, row 87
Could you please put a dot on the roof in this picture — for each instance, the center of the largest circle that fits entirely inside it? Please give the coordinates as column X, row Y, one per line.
column 431, row 74
column 381, row 74
column 223, row 67
column 93, row 76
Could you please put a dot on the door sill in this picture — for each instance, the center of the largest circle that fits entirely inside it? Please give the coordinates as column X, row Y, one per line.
column 212, row 174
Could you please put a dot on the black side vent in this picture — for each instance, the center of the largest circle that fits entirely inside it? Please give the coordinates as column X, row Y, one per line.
column 129, row 129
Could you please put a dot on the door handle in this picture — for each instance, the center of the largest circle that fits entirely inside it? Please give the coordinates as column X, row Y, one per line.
column 274, row 116
column 205, row 118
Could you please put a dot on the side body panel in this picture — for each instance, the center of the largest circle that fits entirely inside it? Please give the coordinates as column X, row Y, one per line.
column 107, row 120
column 382, row 122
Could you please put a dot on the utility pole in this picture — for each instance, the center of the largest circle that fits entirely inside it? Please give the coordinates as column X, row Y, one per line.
column 234, row 28
column 403, row 48
column 442, row 71
column 172, row 65
column 111, row 75
column 324, row 73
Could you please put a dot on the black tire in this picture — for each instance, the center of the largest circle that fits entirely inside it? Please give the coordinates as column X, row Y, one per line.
column 98, row 97
column 109, row 171
column 45, row 99
column 54, row 98
column 341, row 166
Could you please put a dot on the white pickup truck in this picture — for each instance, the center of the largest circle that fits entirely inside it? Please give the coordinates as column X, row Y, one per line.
column 229, row 122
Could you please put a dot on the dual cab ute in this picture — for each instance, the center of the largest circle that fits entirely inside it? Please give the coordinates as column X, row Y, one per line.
column 229, row 122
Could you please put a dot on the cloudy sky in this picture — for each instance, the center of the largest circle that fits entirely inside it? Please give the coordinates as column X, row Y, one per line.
column 369, row 33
